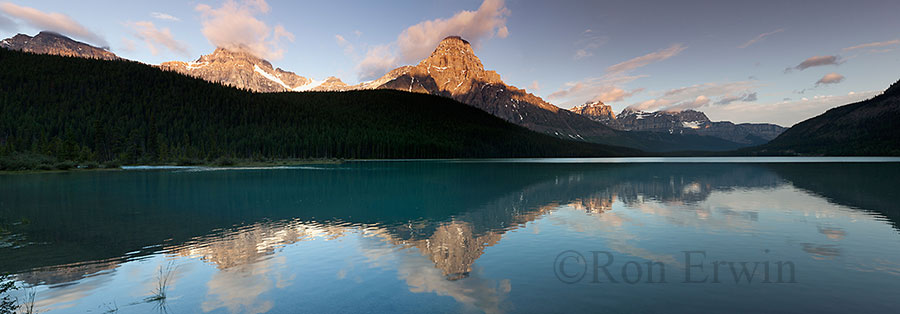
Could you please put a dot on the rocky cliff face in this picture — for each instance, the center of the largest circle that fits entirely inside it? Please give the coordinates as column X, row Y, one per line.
column 454, row 71
column 242, row 70
column 55, row 44
column 600, row 112
column 661, row 121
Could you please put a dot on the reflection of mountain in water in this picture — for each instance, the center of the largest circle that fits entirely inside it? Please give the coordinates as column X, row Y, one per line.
column 449, row 212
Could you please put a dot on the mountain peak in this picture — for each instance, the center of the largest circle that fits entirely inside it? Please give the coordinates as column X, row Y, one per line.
column 239, row 68
column 454, row 39
column 47, row 42
column 597, row 111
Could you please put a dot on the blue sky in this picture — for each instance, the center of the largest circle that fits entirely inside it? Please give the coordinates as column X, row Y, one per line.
column 738, row 61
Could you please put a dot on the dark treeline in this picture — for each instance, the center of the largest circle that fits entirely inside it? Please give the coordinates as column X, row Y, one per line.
column 126, row 112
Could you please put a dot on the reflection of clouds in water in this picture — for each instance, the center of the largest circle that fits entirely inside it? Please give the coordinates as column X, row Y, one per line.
column 238, row 288
column 821, row 251
column 66, row 296
column 426, row 270
column 475, row 292
column 609, row 225
column 833, row 232
column 880, row 266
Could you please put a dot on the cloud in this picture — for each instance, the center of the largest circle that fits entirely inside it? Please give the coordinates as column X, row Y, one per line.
column 784, row 113
column 534, row 86
column 647, row 59
column 147, row 32
column 698, row 102
column 56, row 22
column 759, row 38
column 128, row 45
column 700, row 95
column 235, row 26
column 344, row 43
column 588, row 42
column 378, row 61
column 163, row 16
column 615, row 94
column 7, row 24
column 830, row 78
column 743, row 97
column 874, row 44
column 582, row 53
column 418, row 41
column 607, row 88
column 816, row 62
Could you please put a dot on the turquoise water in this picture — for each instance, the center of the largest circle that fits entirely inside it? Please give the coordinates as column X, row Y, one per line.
column 494, row 236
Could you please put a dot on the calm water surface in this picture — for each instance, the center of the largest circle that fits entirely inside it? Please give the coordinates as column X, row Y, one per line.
column 501, row 236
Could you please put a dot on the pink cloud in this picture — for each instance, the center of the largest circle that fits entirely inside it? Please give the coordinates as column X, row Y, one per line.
column 234, row 26
column 152, row 37
column 56, row 22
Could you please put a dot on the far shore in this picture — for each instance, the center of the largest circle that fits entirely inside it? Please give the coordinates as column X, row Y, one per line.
column 212, row 164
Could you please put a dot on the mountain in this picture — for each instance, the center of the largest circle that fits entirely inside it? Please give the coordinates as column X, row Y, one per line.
column 680, row 122
column 333, row 84
column 867, row 127
column 55, row 44
column 454, row 71
column 241, row 69
column 600, row 112
column 131, row 112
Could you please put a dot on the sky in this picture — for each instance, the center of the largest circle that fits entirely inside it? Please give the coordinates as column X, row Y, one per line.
column 742, row 61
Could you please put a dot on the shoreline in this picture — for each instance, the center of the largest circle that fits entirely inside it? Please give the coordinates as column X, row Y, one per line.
column 175, row 165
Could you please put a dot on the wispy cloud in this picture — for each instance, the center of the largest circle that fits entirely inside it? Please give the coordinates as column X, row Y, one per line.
column 699, row 96
column 830, row 78
column 377, row 61
column 789, row 111
column 816, row 61
column 7, row 23
column 128, row 45
column 646, row 59
column 234, row 26
column 609, row 87
column 534, row 86
column 418, row 41
column 53, row 21
column 153, row 37
column 588, row 42
column 874, row 44
column 759, row 38
column 748, row 97
column 163, row 16
column 344, row 43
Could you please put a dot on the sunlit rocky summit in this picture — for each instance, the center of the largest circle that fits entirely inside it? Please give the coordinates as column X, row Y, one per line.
column 241, row 69
column 55, row 44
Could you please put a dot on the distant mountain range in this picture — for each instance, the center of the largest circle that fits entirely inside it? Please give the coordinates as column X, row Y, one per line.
column 454, row 71
column 680, row 122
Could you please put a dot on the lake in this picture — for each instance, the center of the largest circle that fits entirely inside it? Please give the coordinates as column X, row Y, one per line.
column 495, row 236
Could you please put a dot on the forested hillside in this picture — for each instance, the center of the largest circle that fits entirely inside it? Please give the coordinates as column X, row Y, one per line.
column 127, row 112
